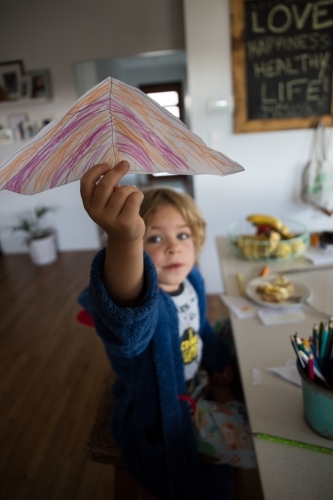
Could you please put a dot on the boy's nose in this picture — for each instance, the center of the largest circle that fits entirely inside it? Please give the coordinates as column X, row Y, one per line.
column 173, row 246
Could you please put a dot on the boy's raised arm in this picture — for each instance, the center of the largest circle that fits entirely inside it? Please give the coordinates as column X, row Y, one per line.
column 116, row 210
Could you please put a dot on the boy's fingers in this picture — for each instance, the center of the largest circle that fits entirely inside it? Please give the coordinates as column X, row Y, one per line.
column 116, row 173
column 89, row 179
column 132, row 205
column 119, row 198
column 106, row 184
column 109, row 184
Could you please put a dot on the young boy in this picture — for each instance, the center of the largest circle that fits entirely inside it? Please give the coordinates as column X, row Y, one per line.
column 148, row 302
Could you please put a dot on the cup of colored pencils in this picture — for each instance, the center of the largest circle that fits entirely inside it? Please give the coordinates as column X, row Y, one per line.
column 315, row 366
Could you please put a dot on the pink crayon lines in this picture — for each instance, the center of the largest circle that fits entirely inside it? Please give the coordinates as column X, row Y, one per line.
column 109, row 123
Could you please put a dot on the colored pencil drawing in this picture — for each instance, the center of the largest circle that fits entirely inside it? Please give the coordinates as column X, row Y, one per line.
column 109, row 123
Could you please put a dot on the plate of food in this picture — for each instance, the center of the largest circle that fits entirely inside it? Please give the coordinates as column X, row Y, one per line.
column 277, row 291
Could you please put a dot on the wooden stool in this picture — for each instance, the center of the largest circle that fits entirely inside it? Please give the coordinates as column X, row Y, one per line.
column 102, row 448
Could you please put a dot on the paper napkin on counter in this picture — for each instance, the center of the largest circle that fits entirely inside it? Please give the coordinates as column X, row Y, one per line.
column 288, row 372
column 241, row 307
column 271, row 317
column 318, row 256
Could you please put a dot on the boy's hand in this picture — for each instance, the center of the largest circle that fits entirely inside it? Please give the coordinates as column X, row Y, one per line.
column 115, row 209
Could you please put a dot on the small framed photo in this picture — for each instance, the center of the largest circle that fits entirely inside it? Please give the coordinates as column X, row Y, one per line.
column 30, row 129
column 25, row 87
column 6, row 136
column 16, row 123
column 40, row 83
column 44, row 121
column 11, row 73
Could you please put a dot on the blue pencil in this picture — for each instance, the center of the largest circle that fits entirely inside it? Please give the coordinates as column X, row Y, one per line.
column 320, row 336
column 315, row 339
column 323, row 345
column 328, row 361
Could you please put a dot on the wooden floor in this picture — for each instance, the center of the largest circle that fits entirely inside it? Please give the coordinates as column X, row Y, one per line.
column 52, row 374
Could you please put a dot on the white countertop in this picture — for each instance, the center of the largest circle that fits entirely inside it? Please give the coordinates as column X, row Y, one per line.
column 275, row 406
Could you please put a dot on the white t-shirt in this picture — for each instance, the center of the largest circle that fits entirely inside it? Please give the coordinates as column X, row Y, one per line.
column 186, row 302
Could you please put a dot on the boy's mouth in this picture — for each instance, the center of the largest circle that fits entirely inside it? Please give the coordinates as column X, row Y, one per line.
column 174, row 266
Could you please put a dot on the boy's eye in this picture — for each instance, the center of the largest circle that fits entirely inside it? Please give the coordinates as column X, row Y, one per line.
column 154, row 239
column 183, row 236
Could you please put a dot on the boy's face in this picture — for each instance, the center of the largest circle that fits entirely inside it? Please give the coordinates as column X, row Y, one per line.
column 168, row 241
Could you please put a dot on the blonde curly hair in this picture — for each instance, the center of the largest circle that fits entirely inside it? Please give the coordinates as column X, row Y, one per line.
column 154, row 198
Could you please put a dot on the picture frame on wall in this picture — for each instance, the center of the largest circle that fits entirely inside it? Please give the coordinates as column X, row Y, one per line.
column 25, row 87
column 40, row 83
column 30, row 129
column 11, row 73
column 16, row 123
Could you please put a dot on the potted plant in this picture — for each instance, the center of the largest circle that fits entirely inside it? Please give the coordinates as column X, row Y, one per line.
column 40, row 240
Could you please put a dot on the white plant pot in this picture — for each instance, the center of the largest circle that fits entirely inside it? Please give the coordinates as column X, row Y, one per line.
column 43, row 251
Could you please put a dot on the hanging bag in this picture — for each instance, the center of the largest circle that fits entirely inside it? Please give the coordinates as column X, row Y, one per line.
column 317, row 180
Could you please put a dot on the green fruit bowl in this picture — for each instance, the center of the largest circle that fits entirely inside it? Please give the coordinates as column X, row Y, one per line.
column 247, row 244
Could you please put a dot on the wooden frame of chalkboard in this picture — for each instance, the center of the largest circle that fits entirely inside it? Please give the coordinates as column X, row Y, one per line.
column 282, row 53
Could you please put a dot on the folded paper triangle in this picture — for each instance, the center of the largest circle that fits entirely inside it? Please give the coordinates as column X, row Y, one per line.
column 109, row 123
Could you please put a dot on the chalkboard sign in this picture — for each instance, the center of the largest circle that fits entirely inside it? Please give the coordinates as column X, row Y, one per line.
column 282, row 63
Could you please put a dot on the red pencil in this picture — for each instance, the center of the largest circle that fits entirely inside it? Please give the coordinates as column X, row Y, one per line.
column 310, row 367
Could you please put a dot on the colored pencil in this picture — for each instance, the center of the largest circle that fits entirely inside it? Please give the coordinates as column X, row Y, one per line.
column 300, row 345
column 328, row 362
column 293, row 343
column 327, row 356
column 311, row 367
column 315, row 338
column 323, row 344
column 315, row 369
column 304, row 349
column 320, row 335
column 291, row 442
column 305, row 346
column 316, row 361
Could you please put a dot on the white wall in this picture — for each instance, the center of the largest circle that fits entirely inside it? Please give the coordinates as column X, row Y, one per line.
column 273, row 161
column 149, row 68
column 54, row 35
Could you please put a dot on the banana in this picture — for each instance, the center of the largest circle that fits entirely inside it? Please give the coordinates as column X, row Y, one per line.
column 269, row 220
column 285, row 233
column 262, row 219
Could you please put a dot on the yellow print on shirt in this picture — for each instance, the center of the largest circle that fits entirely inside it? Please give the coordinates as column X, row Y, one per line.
column 189, row 345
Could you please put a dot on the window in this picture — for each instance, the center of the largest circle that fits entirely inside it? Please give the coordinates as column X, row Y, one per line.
column 169, row 100
column 168, row 95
